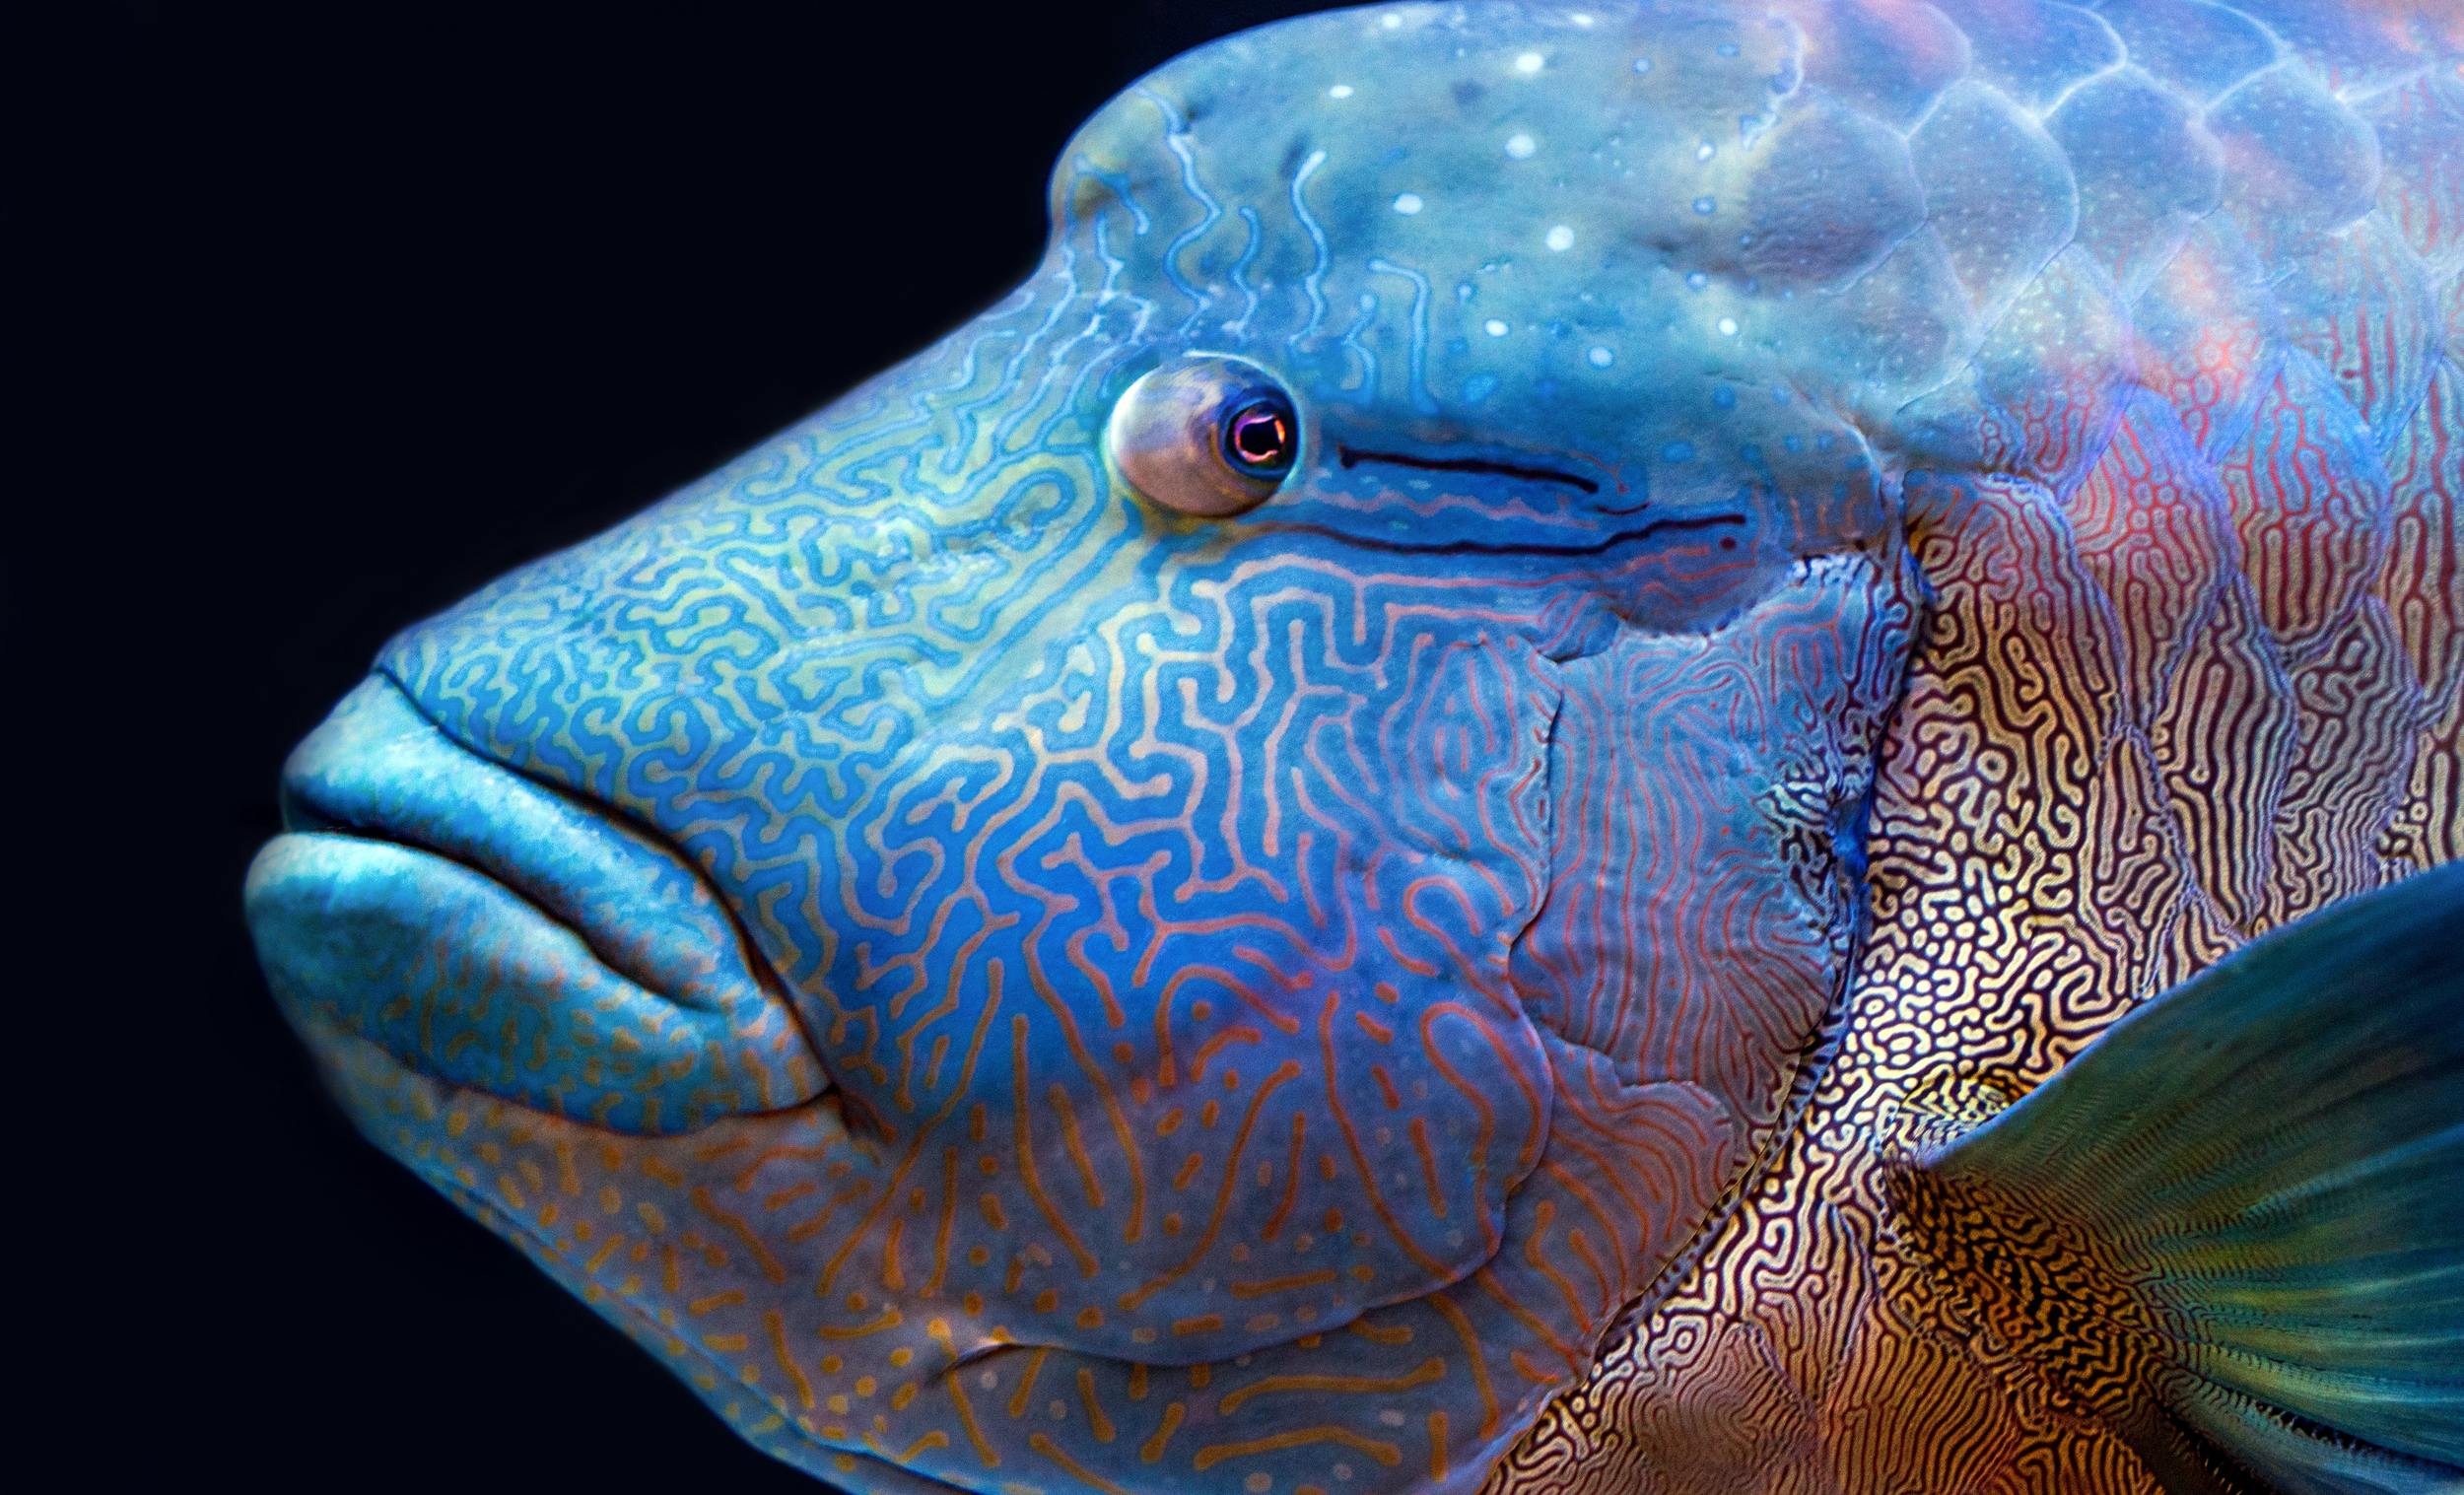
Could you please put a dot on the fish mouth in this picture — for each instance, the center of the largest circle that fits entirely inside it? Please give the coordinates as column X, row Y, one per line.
column 499, row 934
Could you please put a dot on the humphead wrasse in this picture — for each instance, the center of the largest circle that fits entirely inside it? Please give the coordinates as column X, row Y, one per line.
column 1687, row 747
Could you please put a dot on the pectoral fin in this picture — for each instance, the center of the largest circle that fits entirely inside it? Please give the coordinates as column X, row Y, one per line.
column 2235, row 1225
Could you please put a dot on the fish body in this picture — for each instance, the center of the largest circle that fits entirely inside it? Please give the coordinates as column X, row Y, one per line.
column 1401, row 826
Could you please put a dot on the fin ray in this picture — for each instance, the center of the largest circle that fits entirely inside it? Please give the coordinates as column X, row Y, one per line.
column 2251, row 1190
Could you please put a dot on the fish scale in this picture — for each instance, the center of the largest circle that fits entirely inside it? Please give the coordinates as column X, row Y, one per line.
column 2191, row 797
column 1840, row 548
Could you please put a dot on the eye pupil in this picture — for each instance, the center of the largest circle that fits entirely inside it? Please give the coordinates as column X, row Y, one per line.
column 1205, row 435
column 1257, row 437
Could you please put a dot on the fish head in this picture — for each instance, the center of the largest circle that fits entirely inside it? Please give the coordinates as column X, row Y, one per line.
column 1277, row 799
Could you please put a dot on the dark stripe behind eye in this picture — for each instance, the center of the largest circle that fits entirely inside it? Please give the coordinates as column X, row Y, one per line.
column 1352, row 456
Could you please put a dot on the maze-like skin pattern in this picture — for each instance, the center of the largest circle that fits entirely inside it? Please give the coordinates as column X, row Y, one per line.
column 1286, row 991
column 2190, row 668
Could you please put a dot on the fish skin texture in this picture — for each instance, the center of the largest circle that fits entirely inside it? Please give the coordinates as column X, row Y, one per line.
column 2183, row 679
column 1417, row 990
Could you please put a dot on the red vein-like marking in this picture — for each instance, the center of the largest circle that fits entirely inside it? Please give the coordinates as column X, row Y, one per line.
column 1026, row 1382
column 949, row 1004
column 898, row 1179
column 889, row 1194
column 1419, row 1129
column 745, row 1176
column 771, row 1269
column 1291, row 1179
column 1026, row 1151
column 1583, row 1249
column 1238, row 1032
column 1461, row 1324
column 1097, row 1423
column 1360, row 1156
column 1130, row 1152
column 1088, row 1478
column 802, row 1189
column 1471, row 1092
column 777, row 1322
column 1417, row 967
column 1385, row 1087
column 1060, row 1098
column 1486, row 1277
column 1536, row 1257
column 1431, row 1369
column 1130, row 1302
column 893, row 1272
column 935, row 1438
column 949, row 1208
column 1398, row 1333
column 1216, row 1453
column 967, row 1420
column 1152, row 1449
column 805, row 1230
column 889, row 1318
column 1635, row 1212
column 1292, row 1283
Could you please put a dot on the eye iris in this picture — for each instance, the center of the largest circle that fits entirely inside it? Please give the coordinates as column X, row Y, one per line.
column 1258, row 436
column 1204, row 434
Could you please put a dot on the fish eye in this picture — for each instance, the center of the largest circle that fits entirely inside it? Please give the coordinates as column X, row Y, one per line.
column 1208, row 436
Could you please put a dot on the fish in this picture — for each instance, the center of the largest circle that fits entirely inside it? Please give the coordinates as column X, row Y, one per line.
column 1690, row 746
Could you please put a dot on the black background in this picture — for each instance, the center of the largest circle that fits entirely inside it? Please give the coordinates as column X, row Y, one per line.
column 368, row 304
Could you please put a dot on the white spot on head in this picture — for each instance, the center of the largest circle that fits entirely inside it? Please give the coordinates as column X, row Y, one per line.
column 1642, row 64
column 1601, row 358
column 1521, row 147
column 1580, row 18
column 1702, row 152
column 1409, row 203
column 1530, row 63
column 1340, row 90
column 1560, row 238
column 1391, row 21
column 1494, row 327
column 1728, row 326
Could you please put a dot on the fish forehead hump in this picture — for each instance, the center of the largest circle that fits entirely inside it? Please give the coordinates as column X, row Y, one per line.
column 1618, row 236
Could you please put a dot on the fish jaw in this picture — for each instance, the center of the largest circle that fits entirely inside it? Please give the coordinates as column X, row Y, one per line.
column 508, row 938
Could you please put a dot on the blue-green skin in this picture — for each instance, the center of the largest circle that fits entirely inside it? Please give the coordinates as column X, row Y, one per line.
column 917, row 763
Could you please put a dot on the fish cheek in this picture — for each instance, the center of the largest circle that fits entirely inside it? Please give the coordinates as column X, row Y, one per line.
column 1282, row 1225
column 1178, row 987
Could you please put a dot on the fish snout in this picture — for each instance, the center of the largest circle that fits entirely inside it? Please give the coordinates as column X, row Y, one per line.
column 494, row 934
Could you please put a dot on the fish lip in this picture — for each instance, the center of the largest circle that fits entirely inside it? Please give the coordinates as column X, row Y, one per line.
column 412, row 862
column 317, row 797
